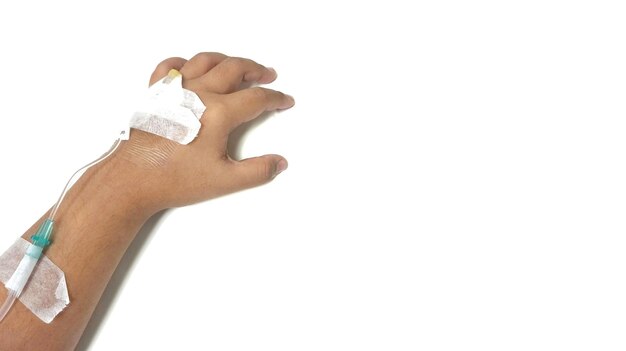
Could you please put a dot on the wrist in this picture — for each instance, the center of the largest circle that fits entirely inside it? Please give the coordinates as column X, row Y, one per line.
column 112, row 188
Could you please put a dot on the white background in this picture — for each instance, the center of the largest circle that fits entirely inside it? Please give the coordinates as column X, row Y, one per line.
column 456, row 182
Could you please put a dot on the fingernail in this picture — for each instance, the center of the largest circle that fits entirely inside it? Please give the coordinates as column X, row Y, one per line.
column 281, row 166
column 272, row 70
column 293, row 101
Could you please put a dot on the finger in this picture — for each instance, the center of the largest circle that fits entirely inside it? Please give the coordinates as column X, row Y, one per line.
column 201, row 64
column 231, row 72
column 255, row 171
column 247, row 104
column 165, row 66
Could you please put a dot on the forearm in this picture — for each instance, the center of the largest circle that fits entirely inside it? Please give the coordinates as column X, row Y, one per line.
column 93, row 228
column 103, row 212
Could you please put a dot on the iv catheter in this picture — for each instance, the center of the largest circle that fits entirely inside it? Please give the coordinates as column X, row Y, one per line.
column 42, row 238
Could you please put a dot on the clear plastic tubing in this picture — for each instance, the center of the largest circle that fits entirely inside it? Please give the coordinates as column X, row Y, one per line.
column 40, row 240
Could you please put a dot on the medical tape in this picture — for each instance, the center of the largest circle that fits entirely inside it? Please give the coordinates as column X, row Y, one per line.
column 46, row 292
column 169, row 110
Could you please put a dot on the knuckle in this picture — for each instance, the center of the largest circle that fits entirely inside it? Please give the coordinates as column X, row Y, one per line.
column 203, row 55
column 218, row 108
column 258, row 93
column 265, row 171
column 233, row 61
column 206, row 57
column 217, row 112
column 202, row 58
column 236, row 64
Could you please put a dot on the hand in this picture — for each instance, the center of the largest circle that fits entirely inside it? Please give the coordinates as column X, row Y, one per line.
column 176, row 175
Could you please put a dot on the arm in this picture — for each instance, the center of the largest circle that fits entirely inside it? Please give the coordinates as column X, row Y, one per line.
column 105, row 209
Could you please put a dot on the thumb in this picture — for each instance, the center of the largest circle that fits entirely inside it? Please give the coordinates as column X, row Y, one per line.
column 255, row 171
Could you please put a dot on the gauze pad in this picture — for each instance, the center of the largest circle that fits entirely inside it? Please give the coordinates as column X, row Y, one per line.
column 170, row 110
column 46, row 292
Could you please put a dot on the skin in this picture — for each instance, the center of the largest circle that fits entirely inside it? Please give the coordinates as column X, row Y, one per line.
column 105, row 209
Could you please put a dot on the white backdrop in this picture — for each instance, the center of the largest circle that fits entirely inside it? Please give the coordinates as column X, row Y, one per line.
column 456, row 176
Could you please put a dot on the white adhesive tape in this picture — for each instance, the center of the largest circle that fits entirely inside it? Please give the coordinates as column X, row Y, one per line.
column 170, row 110
column 45, row 293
